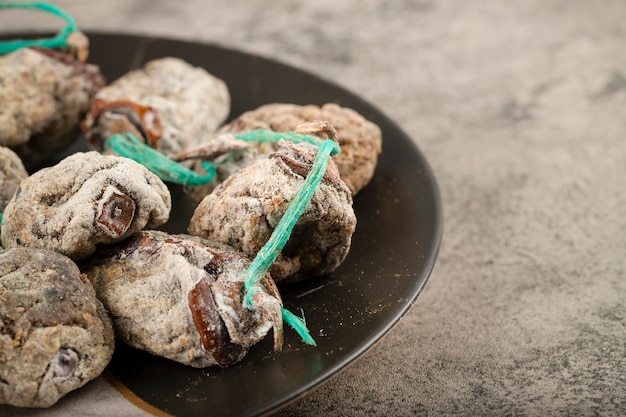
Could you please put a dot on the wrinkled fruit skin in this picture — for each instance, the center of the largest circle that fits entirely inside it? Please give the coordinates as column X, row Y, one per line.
column 360, row 141
column 12, row 172
column 244, row 210
column 180, row 297
column 84, row 201
column 156, row 104
column 44, row 93
column 55, row 336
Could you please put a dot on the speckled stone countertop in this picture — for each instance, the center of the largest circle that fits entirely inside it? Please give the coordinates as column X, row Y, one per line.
column 520, row 108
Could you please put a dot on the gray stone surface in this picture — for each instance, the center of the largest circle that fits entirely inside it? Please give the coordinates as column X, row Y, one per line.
column 520, row 107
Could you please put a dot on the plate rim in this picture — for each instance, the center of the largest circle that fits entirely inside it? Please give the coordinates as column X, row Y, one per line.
column 422, row 277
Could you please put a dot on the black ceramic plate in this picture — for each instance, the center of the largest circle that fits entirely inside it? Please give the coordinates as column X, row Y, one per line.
column 393, row 251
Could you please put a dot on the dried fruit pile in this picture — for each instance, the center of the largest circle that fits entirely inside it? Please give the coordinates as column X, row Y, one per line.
column 81, row 256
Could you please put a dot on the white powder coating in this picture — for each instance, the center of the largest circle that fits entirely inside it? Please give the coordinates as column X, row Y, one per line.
column 359, row 138
column 146, row 285
column 187, row 102
column 55, row 336
column 43, row 96
column 244, row 210
column 147, row 298
column 61, row 207
column 12, row 172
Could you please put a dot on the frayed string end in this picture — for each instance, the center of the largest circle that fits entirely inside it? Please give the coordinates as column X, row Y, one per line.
column 299, row 325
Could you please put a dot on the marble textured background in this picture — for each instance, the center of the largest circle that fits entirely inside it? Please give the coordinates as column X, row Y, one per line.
column 520, row 107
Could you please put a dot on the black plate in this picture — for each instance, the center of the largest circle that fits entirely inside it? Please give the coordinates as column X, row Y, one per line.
column 393, row 252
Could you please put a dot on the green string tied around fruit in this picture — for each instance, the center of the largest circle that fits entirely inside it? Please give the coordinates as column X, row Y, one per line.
column 128, row 145
column 68, row 38
column 277, row 241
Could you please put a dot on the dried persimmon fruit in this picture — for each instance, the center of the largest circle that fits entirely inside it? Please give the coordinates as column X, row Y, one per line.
column 44, row 95
column 244, row 210
column 84, row 201
column 181, row 297
column 55, row 336
column 168, row 103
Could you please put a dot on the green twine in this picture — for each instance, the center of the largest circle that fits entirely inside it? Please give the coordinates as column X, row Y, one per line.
column 58, row 41
column 127, row 145
column 261, row 135
column 277, row 241
column 299, row 325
